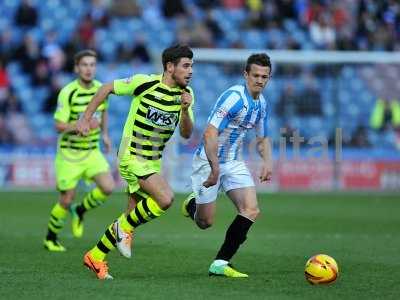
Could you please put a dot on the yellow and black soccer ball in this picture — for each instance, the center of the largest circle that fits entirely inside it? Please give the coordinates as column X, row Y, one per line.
column 321, row 269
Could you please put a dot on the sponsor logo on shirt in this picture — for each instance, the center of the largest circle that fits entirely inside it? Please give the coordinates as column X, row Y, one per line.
column 161, row 118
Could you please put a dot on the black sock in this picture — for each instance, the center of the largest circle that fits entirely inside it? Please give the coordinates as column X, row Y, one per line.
column 80, row 210
column 51, row 236
column 191, row 208
column 235, row 236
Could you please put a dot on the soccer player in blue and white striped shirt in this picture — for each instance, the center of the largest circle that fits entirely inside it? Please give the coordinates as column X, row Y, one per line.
column 218, row 161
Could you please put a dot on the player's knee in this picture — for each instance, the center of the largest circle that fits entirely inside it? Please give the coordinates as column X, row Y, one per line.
column 251, row 213
column 66, row 201
column 256, row 213
column 204, row 223
column 165, row 201
column 108, row 188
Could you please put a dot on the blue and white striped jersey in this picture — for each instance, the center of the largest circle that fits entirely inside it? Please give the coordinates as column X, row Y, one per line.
column 233, row 115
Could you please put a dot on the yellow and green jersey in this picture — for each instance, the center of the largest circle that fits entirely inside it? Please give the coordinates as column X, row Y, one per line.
column 72, row 102
column 153, row 116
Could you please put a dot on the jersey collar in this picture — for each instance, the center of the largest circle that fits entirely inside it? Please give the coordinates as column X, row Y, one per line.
column 177, row 88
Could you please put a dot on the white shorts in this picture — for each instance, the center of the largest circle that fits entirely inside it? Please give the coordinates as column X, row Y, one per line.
column 232, row 175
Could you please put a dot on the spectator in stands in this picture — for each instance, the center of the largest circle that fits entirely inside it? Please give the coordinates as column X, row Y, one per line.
column 4, row 94
column 26, row 14
column 70, row 48
column 309, row 100
column 7, row 46
column 152, row 12
column 233, row 4
column 140, row 51
column 200, row 36
column 4, row 79
column 53, row 52
column 172, row 9
column 322, row 32
column 359, row 138
column 312, row 11
column 212, row 25
column 50, row 103
column 18, row 125
column 28, row 53
column 286, row 107
column 6, row 137
column 340, row 16
column 385, row 115
column 123, row 52
column 99, row 13
column 207, row 4
column 345, row 41
column 271, row 15
column 292, row 44
column 125, row 8
column 287, row 9
column 41, row 74
column 9, row 102
column 256, row 18
column 86, row 31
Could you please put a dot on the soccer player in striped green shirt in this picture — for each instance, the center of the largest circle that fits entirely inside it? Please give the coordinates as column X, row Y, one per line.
column 160, row 103
column 79, row 157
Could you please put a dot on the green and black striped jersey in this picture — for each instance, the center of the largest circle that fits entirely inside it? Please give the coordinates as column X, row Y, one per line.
column 72, row 102
column 153, row 116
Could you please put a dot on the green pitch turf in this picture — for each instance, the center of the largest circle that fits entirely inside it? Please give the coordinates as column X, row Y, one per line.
column 171, row 256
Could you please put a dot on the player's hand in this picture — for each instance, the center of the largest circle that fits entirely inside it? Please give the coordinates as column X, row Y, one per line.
column 212, row 179
column 94, row 123
column 107, row 143
column 186, row 100
column 83, row 126
column 266, row 172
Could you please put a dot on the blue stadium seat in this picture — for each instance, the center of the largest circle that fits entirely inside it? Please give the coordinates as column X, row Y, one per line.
column 38, row 122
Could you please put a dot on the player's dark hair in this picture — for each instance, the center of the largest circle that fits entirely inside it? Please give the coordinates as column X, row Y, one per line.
column 81, row 54
column 175, row 53
column 260, row 59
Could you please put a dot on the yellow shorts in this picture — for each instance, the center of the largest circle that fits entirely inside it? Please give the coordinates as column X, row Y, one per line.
column 132, row 168
column 69, row 170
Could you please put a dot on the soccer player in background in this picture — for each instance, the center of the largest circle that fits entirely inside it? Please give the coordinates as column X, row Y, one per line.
column 218, row 161
column 79, row 157
column 160, row 103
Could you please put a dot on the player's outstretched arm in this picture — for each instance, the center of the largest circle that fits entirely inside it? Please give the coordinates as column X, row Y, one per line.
column 265, row 150
column 211, row 149
column 104, row 131
column 83, row 124
column 186, row 123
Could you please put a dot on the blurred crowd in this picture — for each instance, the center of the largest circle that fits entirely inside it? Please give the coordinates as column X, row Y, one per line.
column 322, row 24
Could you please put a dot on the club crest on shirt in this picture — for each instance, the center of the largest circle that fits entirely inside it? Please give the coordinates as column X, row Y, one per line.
column 177, row 99
column 161, row 118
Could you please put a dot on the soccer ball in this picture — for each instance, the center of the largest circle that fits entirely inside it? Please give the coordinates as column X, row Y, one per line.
column 321, row 269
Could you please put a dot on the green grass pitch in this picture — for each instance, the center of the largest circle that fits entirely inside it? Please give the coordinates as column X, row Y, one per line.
column 171, row 256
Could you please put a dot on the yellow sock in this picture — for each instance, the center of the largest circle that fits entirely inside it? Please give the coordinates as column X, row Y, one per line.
column 56, row 221
column 104, row 246
column 145, row 210
column 94, row 199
